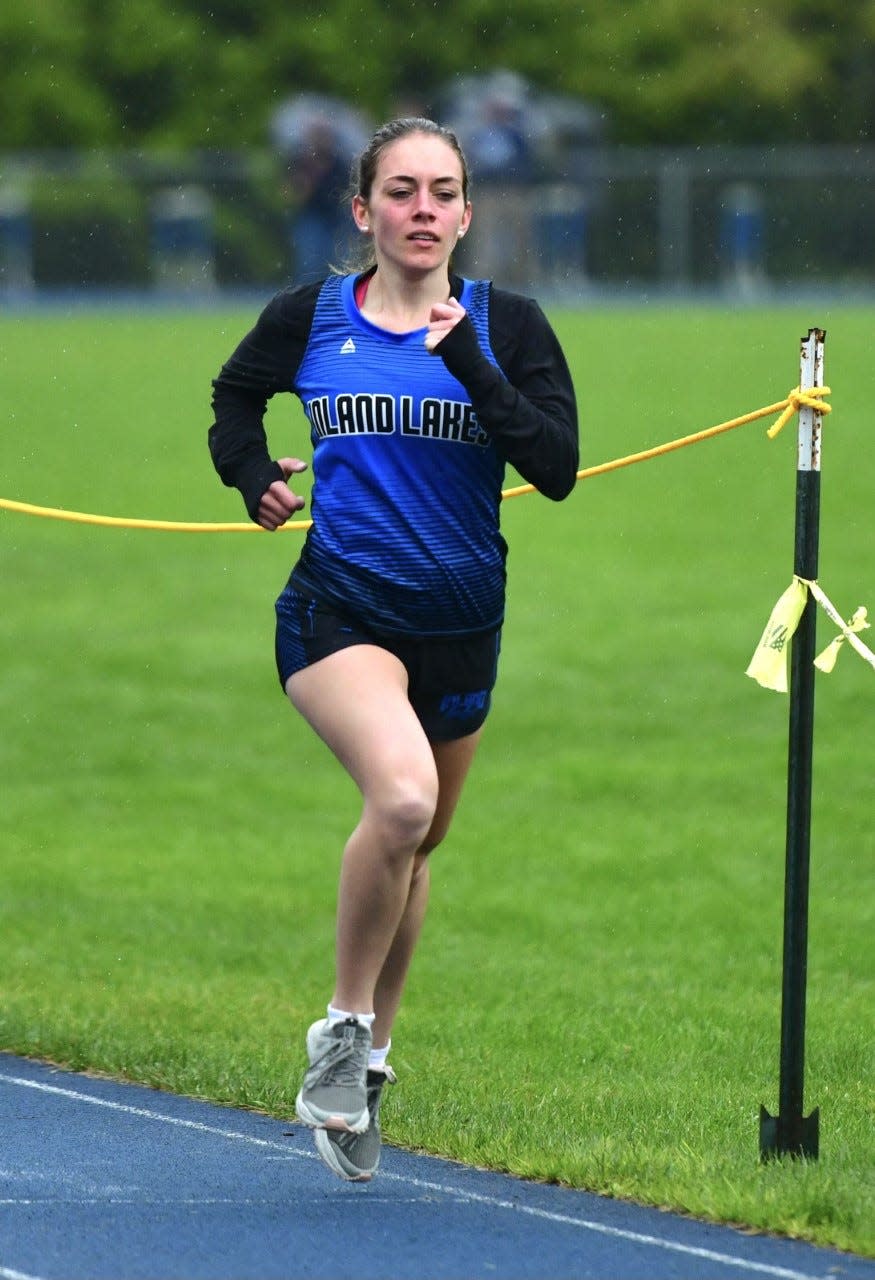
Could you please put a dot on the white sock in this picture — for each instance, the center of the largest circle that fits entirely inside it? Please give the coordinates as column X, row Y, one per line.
column 341, row 1015
column 377, row 1058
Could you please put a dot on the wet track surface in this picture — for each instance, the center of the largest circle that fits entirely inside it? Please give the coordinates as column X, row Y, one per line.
column 106, row 1180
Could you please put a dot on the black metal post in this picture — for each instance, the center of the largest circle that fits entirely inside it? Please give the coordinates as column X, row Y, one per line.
column 790, row 1132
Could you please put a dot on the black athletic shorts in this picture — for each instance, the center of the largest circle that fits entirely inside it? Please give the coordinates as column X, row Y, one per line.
column 450, row 678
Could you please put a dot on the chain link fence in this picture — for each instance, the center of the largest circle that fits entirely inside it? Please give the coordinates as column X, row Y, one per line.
column 747, row 221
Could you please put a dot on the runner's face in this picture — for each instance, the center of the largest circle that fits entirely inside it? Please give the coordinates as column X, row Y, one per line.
column 416, row 209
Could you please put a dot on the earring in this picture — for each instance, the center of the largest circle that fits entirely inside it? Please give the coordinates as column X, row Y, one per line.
column 365, row 227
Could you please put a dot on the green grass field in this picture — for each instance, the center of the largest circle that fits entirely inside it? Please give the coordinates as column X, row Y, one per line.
column 597, row 995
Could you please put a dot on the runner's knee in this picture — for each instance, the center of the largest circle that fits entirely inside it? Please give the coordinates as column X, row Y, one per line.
column 405, row 810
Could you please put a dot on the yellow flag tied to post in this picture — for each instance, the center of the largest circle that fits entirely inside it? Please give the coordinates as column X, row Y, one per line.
column 849, row 631
column 768, row 666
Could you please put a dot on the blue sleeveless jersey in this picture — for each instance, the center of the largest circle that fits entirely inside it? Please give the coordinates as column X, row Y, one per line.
column 407, row 484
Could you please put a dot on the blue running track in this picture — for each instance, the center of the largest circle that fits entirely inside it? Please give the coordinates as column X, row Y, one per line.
column 108, row 1181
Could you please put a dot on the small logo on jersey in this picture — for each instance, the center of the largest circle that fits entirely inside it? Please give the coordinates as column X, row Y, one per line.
column 348, row 346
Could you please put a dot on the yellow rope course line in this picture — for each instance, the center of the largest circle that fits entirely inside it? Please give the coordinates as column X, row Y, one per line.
column 794, row 400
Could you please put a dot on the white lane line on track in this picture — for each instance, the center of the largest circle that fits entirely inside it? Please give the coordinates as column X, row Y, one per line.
column 466, row 1197
column 162, row 1202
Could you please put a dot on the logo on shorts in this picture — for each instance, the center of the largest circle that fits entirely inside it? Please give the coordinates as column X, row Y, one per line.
column 457, row 706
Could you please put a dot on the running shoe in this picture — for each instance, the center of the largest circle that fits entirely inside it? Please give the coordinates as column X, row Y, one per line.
column 334, row 1093
column 356, row 1156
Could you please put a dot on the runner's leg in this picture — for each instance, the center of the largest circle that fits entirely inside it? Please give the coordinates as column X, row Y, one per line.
column 453, row 760
column 356, row 700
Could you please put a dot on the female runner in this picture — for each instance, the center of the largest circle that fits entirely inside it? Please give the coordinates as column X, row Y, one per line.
column 419, row 387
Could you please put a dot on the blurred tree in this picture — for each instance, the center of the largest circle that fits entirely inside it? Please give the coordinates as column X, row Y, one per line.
column 209, row 73
column 700, row 72
column 46, row 95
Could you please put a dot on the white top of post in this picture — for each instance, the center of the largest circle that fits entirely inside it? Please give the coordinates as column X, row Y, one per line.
column 810, row 420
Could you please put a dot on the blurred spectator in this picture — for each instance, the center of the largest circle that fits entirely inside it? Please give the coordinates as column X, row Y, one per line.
column 497, row 147
column 530, row 155
column 317, row 139
column 571, row 195
column 498, row 129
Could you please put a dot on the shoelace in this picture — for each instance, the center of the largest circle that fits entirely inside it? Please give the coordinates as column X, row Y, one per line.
column 338, row 1065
